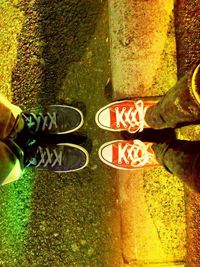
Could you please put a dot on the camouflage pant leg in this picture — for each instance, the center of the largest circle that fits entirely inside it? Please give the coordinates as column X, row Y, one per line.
column 180, row 105
column 181, row 158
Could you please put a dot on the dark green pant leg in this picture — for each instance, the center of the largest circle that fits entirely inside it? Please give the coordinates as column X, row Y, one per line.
column 181, row 158
column 179, row 106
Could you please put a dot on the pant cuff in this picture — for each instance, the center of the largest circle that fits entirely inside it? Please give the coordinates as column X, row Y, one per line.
column 196, row 83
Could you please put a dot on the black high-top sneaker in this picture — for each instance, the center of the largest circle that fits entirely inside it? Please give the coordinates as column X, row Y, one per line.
column 53, row 119
column 58, row 158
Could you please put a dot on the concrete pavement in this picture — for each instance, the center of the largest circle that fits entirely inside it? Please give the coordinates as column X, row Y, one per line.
column 187, row 24
column 144, row 53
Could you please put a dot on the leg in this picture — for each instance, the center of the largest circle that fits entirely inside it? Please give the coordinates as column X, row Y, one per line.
column 11, row 121
column 155, row 147
column 181, row 104
column 11, row 162
column 181, row 158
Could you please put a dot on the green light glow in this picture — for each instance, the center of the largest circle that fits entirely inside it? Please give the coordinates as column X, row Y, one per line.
column 15, row 215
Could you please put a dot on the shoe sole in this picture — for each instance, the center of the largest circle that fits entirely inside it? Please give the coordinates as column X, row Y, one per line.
column 154, row 164
column 151, row 101
column 80, row 148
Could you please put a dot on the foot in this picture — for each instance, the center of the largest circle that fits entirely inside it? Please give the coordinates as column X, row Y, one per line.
column 58, row 158
column 125, row 115
column 128, row 155
column 54, row 119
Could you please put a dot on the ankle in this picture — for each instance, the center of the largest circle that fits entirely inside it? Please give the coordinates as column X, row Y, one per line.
column 153, row 118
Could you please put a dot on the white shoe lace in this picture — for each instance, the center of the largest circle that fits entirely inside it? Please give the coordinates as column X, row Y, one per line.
column 131, row 122
column 135, row 154
column 47, row 157
column 48, row 121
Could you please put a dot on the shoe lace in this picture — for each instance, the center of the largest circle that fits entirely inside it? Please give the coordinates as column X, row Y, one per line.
column 48, row 157
column 48, row 120
column 132, row 118
column 135, row 154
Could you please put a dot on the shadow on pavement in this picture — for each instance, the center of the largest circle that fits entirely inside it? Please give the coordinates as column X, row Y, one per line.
column 54, row 35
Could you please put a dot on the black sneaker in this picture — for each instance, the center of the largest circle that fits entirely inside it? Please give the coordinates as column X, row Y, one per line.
column 58, row 158
column 53, row 119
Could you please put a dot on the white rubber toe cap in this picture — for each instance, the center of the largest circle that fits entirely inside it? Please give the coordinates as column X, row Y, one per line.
column 106, row 153
column 103, row 118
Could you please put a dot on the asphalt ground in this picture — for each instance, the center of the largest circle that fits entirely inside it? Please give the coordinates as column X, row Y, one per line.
column 61, row 57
